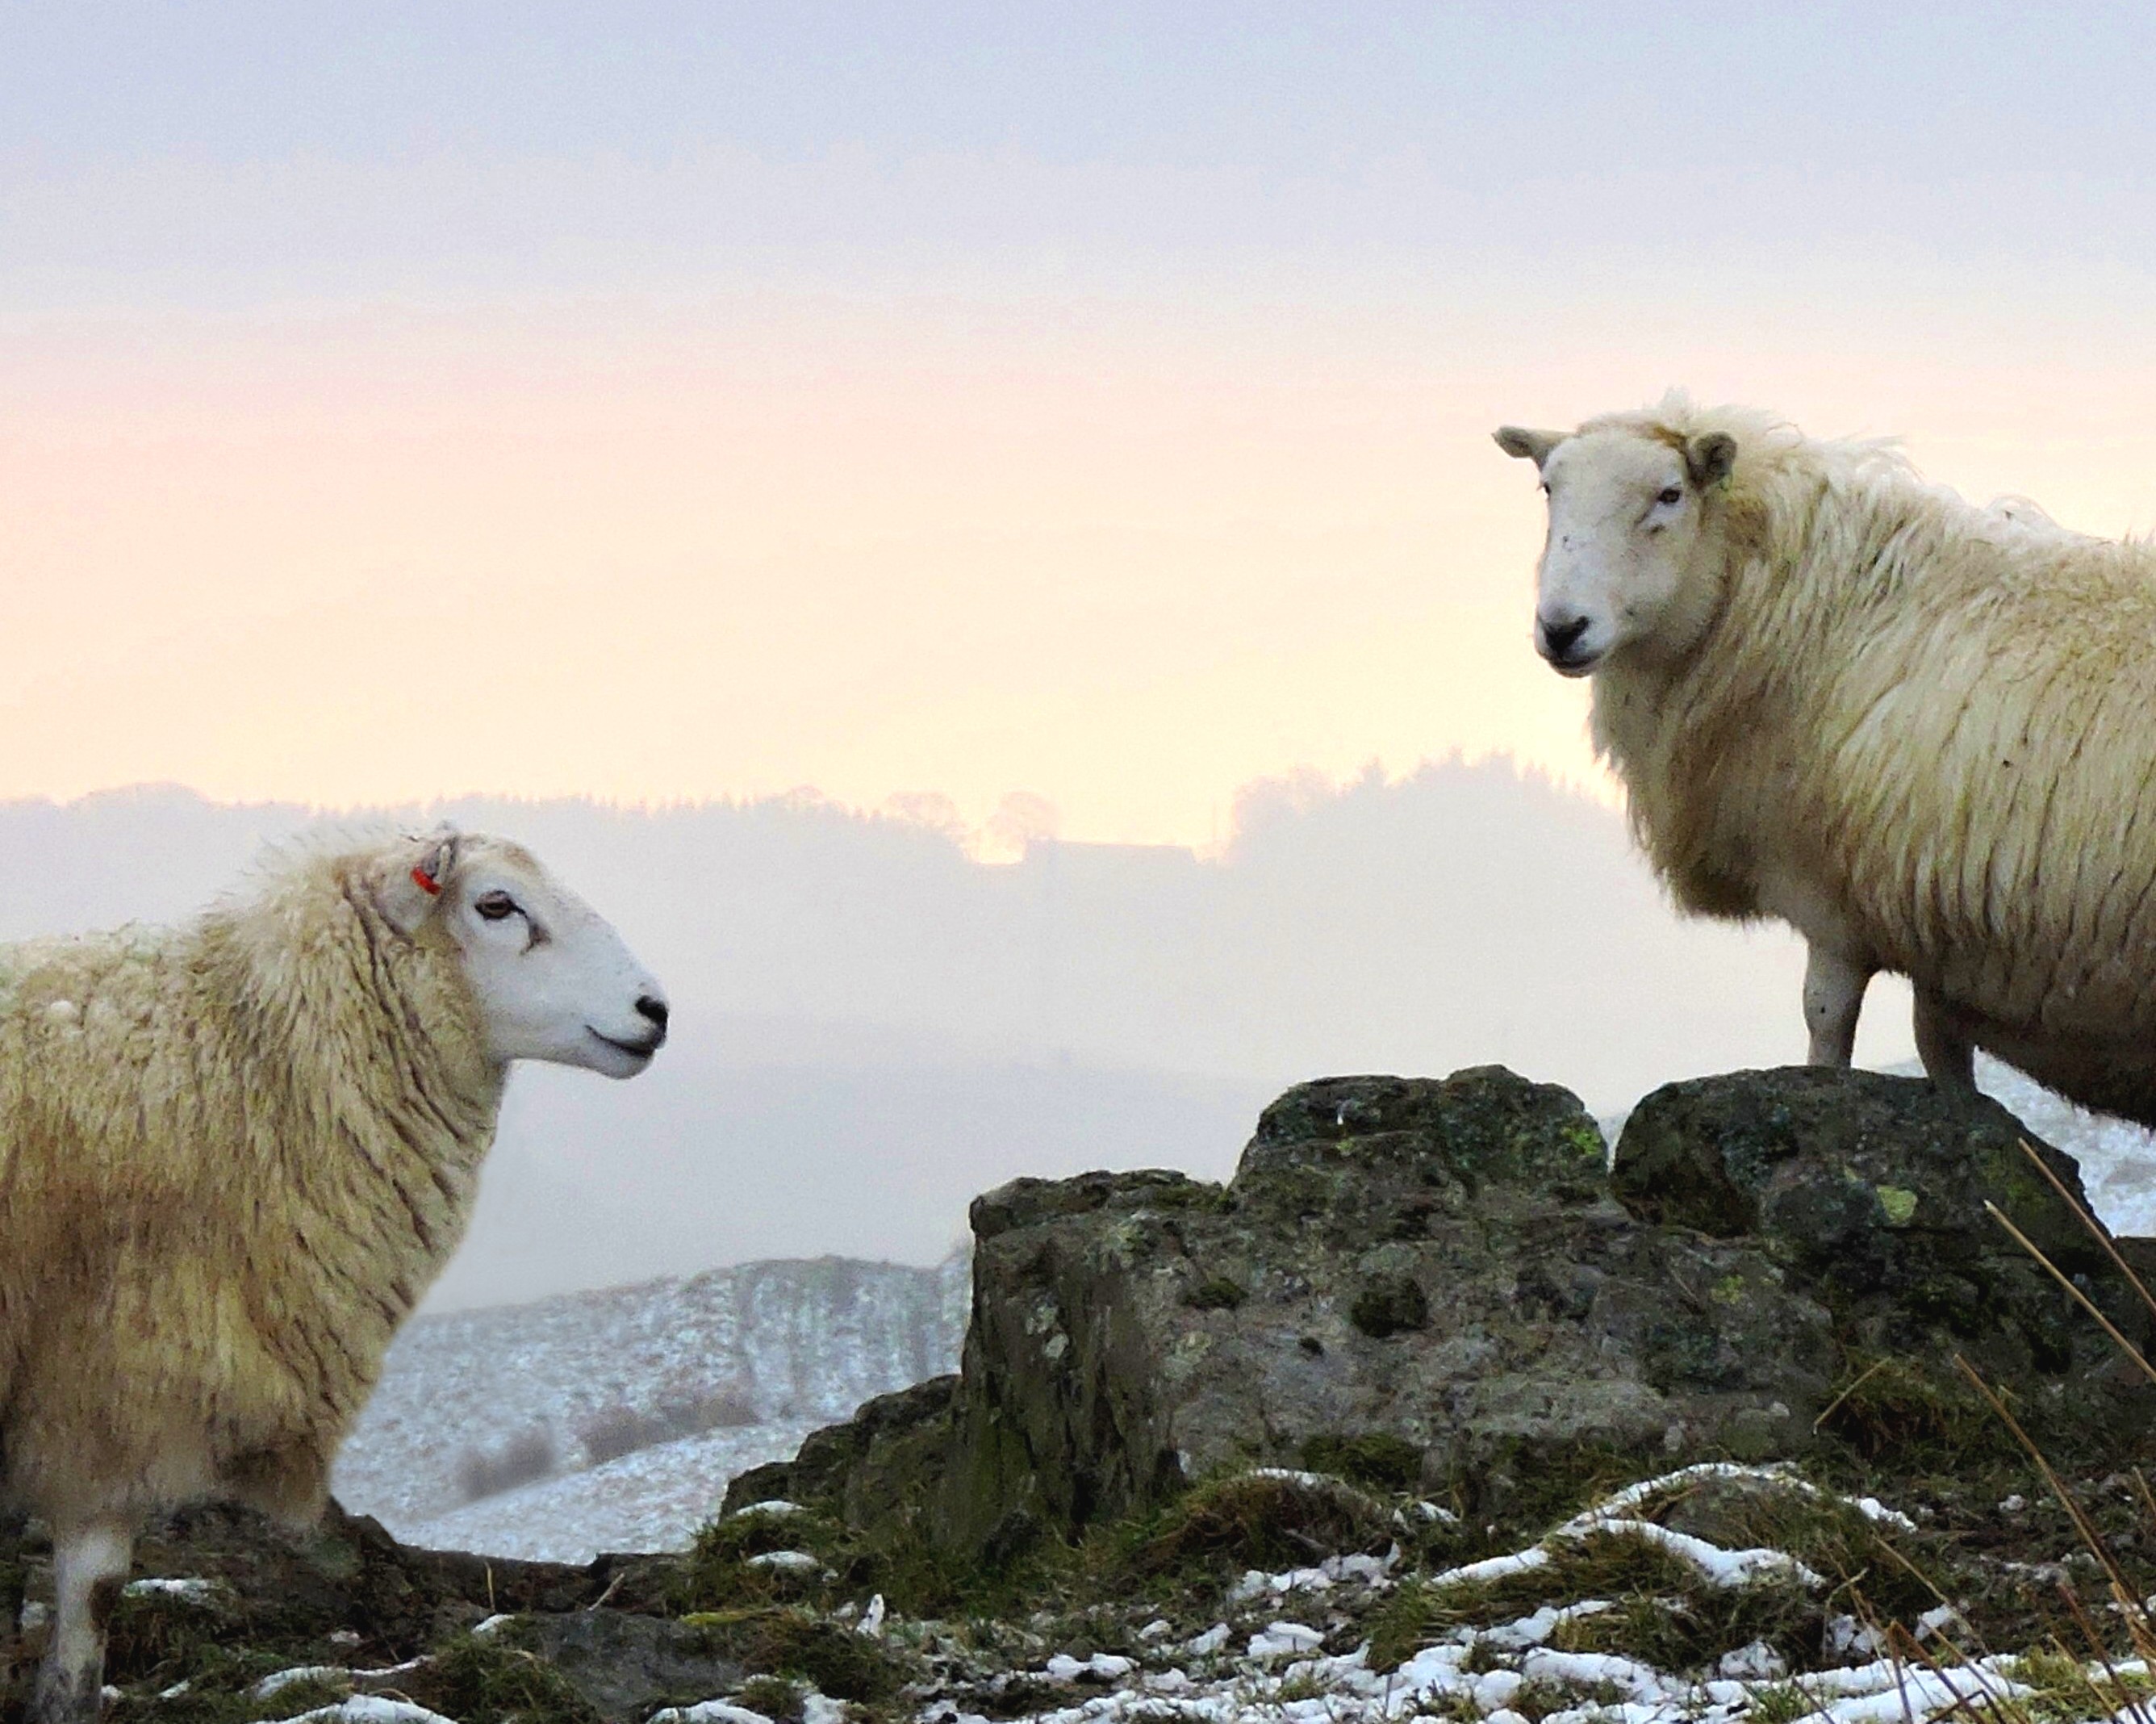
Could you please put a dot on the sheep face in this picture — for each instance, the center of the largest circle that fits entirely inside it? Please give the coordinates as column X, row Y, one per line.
column 551, row 978
column 1630, row 567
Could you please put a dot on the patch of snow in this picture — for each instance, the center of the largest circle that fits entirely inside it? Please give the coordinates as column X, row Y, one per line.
column 370, row 1709
column 1291, row 1475
column 1533, row 1630
column 787, row 1562
column 1846, row 1635
column 708, row 1711
column 188, row 1591
column 1872, row 1509
column 1632, row 1496
column 1490, row 1568
column 1779, row 1474
column 1757, row 1662
column 1107, row 1666
column 1938, row 1619
column 1910, row 1690
column 1371, row 1572
column 1282, row 1639
column 1643, row 1683
column 1254, row 1582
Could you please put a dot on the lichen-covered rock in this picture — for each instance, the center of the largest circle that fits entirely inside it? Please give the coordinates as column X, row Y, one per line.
column 1871, row 1191
column 1437, row 1263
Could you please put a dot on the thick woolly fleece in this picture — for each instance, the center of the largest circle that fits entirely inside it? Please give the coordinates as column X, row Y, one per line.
column 232, row 1156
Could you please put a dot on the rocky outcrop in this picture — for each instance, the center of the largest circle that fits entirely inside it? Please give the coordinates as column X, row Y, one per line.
column 1449, row 1274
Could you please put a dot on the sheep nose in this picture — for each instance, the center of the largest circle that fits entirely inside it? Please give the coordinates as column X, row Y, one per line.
column 651, row 1006
column 1559, row 635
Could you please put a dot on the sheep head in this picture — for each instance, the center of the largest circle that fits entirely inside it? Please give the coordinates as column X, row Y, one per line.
column 552, row 980
column 1629, row 565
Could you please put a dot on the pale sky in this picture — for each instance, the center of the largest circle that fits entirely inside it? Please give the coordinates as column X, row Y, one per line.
column 669, row 401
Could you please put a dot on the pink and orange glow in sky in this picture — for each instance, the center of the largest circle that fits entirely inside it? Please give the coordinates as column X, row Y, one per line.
column 678, row 401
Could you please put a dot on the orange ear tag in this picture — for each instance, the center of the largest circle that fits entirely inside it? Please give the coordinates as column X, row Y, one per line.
column 426, row 882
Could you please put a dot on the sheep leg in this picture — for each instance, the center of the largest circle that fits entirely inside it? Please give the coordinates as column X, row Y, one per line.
column 1833, row 997
column 89, row 1567
column 1949, row 1055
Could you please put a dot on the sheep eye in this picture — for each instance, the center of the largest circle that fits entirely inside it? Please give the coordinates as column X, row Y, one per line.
column 1670, row 494
column 493, row 906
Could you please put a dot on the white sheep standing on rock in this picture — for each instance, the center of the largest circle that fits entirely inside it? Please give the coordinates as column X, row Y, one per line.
column 235, row 1153
column 1921, row 733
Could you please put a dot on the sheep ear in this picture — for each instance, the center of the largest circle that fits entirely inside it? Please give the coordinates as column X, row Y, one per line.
column 1709, row 457
column 1528, row 445
column 412, row 879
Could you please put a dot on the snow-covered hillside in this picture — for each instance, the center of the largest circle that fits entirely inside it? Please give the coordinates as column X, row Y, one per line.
column 626, row 1410
column 652, row 1499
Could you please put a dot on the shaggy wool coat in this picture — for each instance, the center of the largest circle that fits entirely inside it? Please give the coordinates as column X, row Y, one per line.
column 233, row 1157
